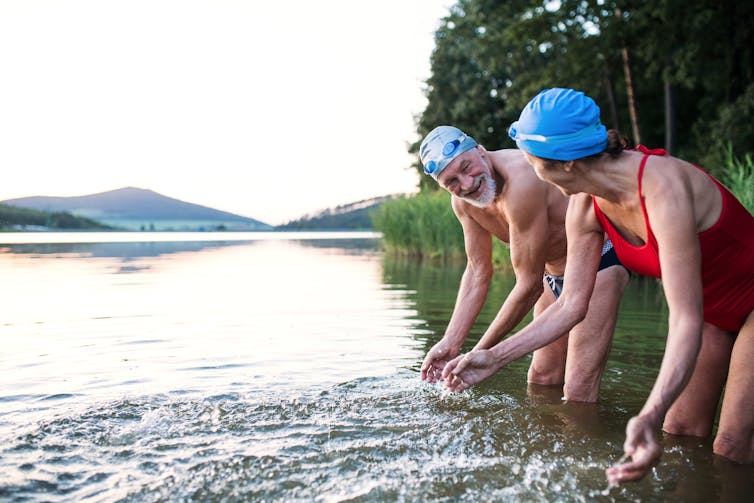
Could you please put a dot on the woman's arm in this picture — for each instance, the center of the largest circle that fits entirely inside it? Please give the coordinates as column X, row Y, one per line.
column 670, row 207
column 585, row 239
column 526, row 212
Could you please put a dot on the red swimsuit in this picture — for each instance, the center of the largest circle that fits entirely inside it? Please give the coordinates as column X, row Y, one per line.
column 727, row 256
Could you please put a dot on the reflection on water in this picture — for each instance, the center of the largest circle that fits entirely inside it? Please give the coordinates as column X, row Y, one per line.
column 263, row 310
column 268, row 370
column 121, row 250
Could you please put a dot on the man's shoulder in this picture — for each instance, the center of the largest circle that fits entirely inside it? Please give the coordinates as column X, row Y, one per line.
column 525, row 194
column 511, row 163
column 521, row 181
column 508, row 156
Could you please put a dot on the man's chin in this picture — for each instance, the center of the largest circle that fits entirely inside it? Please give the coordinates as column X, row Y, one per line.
column 472, row 202
column 482, row 202
column 486, row 194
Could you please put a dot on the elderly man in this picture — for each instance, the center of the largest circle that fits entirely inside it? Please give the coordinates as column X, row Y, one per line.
column 498, row 194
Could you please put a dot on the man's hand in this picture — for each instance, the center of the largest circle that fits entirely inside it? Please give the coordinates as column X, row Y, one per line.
column 469, row 369
column 645, row 451
column 436, row 359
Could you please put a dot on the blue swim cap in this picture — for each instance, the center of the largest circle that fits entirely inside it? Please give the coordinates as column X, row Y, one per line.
column 441, row 146
column 560, row 124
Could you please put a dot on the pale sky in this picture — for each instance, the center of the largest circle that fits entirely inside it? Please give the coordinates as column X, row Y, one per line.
column 268, row 109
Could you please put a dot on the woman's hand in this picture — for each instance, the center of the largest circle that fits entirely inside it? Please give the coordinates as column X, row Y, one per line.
column 469, row 369
column 643, row 448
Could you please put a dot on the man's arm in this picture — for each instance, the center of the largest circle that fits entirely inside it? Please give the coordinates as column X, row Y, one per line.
column 528, row 223
column 472, row 293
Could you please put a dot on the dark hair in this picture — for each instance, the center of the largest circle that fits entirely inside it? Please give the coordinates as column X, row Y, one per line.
column 616, row 143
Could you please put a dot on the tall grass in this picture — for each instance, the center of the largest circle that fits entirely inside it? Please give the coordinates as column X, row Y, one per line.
column 425, row 226
column 422, row 225
column 739, row 178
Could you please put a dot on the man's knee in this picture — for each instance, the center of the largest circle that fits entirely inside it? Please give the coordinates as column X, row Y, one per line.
column 736, row 447
column 686, row 428
column 583, row 386
column 545, row 375
column 548, row 363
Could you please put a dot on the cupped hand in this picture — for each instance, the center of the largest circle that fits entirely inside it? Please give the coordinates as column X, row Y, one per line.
column 643, row 448
column 469, row 369
column 436, row 359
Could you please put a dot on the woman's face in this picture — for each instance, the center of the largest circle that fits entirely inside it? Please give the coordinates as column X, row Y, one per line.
column 539, row 166
column 554, row 172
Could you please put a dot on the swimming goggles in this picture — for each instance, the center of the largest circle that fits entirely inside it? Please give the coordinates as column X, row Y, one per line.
column 447, row 150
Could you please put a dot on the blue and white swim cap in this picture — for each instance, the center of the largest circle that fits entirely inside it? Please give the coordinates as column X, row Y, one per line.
column 560, row 124
column 441, row 146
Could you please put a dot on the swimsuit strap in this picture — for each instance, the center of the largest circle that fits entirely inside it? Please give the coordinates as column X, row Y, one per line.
column 647, row 152
column 651, row 151
column 641, row 172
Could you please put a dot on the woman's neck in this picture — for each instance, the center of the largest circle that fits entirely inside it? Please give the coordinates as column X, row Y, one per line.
column 610, row 178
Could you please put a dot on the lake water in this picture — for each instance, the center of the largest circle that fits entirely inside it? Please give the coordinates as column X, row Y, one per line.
column 284, row 367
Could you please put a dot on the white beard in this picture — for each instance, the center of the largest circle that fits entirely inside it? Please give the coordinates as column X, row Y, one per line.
column 487, row 195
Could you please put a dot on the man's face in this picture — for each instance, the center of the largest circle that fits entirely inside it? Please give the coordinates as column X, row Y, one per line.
column 470, row 178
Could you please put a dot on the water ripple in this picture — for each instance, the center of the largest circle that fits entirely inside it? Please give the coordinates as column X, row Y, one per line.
column 370, row 439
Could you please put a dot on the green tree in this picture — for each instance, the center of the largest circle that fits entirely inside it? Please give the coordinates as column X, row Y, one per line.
column 667, row 72
column 471, row 73
column 729, row 135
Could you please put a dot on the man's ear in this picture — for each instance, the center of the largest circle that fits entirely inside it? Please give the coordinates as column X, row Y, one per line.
column 567, row 166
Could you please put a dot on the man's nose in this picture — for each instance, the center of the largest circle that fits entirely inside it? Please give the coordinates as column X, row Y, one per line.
column 465, row 181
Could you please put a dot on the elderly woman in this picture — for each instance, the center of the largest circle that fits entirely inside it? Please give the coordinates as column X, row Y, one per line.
column 666, row 218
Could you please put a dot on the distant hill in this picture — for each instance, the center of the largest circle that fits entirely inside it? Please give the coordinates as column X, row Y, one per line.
column 140, row 209
column 352, row 216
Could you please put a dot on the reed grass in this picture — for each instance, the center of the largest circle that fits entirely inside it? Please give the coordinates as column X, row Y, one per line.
column 739, row 177
column 425, row 226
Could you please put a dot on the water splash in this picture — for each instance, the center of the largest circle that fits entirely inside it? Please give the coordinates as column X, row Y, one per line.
column 369, row 439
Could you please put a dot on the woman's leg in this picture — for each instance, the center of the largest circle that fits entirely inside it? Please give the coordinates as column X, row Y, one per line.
column 693, row 412
column 735, row 433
